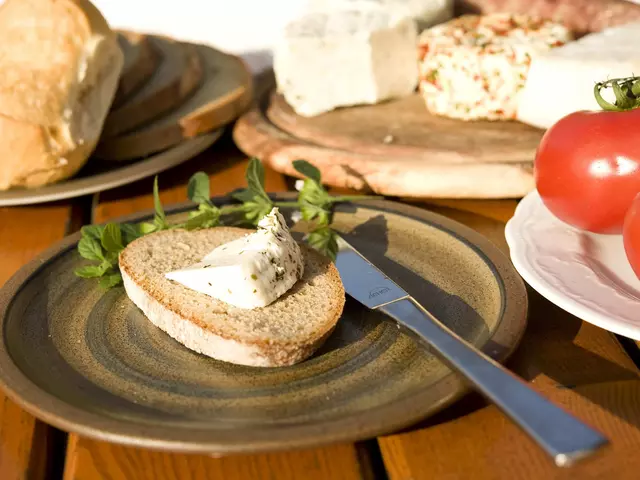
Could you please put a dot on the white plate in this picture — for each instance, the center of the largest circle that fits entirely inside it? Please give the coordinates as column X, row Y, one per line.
column 587, row 275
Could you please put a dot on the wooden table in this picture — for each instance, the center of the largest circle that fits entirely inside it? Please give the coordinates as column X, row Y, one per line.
column 587, row 370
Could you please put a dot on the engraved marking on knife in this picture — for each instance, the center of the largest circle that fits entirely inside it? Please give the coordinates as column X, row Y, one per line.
column 376, row 292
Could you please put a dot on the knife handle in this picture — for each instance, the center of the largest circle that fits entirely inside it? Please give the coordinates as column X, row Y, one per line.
column 560, row 434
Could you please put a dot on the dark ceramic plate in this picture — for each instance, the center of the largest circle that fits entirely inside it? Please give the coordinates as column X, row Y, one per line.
column 88, row 361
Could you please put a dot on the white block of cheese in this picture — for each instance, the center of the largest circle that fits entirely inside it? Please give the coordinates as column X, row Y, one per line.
column 326, row 60
column 426, row 13
column 561, row 82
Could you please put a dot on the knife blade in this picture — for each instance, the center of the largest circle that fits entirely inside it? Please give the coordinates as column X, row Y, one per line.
column 559, row 434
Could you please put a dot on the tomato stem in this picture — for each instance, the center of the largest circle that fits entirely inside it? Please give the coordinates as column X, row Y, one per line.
column 626, row 91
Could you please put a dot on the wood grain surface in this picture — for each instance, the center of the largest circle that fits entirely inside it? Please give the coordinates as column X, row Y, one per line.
column 417, row 155
column 26, row 443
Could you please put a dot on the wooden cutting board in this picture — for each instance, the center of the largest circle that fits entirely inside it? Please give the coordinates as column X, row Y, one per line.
column 224, row 92
column 395, row 148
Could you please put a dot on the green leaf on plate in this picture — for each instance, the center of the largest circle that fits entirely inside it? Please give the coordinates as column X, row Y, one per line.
column 93, row 271
column 111, row 280
column 198, row 188
column 112, row 238
column 90, row 248
column 307, row 169
column 92, row 231
column 324, row 240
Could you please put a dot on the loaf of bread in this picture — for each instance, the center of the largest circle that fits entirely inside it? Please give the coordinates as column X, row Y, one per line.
column 283, row 333
column 59, row 69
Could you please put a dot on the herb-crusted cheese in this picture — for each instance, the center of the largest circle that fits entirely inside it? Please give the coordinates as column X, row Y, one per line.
column 426, row 13
column 474, row 67
column 327, row 60
column 249, row 272
column 564, row 77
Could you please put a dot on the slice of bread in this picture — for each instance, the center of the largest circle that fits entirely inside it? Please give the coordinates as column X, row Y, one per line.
column 284, row 333
column 141, row 61
column 177, row 77
column 225, row 93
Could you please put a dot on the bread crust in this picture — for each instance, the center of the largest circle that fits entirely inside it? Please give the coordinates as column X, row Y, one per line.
column 56, row 86
column 225, row 345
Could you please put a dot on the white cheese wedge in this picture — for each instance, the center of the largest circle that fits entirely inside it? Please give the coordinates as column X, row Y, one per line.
column 249, row 272
column 329, row 60
column 561, row 81
column 426, row 13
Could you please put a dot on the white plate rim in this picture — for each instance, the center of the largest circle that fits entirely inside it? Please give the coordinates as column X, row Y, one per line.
column 563, row 300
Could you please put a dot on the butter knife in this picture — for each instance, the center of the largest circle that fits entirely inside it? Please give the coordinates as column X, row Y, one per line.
column 558, row 433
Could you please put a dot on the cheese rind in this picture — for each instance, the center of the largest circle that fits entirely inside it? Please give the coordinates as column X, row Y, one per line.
column 474, row 67
column 426, row 13
column 561, row 81
column 330, row 60
column 249, row 272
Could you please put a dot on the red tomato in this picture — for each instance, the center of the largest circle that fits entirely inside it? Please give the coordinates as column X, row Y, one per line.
column 587, row 168
column 631, row 235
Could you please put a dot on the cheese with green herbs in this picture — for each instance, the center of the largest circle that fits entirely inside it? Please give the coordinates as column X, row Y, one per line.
column 474, row 67
column 561, row 81
column 327, row 60
column 250, row 272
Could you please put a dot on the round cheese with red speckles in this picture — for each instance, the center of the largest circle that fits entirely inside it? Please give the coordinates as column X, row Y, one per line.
column 474, row 66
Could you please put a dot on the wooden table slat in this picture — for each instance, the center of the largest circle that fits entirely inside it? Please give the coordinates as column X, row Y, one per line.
column 26, row 443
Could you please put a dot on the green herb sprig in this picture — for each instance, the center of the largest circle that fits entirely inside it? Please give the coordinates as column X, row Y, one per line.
column 102, row 244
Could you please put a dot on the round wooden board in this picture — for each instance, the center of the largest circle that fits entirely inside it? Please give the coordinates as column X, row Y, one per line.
column 87, row 360
column 395, row 148
column 97, row 176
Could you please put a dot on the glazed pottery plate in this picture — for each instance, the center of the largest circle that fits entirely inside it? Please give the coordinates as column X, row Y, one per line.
column 88, row 361
column 586, row 274
column 98, row 175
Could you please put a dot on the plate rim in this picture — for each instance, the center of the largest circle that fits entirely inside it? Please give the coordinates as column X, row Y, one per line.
column 128, row 173
column 540, row 285
column 370, row 423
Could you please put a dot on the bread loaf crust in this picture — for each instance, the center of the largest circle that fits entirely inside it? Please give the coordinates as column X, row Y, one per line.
column 56, row 86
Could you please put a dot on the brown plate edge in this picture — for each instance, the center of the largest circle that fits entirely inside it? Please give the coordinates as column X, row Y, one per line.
column 372, row 423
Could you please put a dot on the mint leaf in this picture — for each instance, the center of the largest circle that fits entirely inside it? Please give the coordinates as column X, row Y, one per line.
column 198, row 188
column 255, row 179
column 111, row 280
column 93, row 271
column 324, row 240
column 206, row 218
column 92, row 231
column 254, row 211
column 307, row 169
column 130, row 232
column 112, row 238
column 90, row 248
column 160, row 220
column 319, row 213
column 146, row 227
